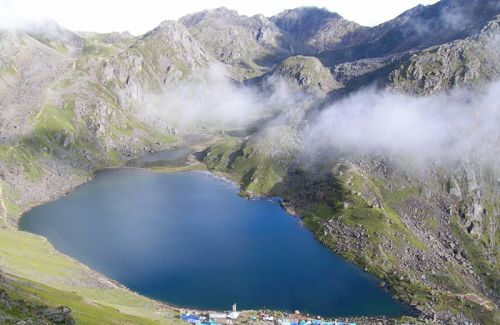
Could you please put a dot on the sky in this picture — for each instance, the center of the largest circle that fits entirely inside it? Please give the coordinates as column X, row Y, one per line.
column 140, row 16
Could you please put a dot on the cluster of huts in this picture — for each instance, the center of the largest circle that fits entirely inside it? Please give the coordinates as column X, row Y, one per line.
column 210, row 318
column 235, row 317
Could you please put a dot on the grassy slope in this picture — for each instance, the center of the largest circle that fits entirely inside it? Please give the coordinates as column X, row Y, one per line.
column 256, row 173
column 55, row 279
column 84, row 310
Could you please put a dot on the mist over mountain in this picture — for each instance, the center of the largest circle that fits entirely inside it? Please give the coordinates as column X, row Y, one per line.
column 383, row 139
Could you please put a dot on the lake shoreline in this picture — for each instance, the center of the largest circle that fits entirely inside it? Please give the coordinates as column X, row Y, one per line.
column 216, row 176
column 187, row 167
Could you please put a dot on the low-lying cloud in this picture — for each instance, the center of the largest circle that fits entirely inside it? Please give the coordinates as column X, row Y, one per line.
column 461, row 125
column 214, row 102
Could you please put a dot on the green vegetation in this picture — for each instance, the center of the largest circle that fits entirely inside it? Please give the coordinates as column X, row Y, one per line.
column 475, row 253
column 173, row 169
column 256, row 173
column 55, row 279
column 53, row 123
column 8, row 69
column 21, row 155
column 35, row 295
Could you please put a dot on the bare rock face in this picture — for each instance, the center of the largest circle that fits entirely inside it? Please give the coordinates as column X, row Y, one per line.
column 4, row 299
column 59, row 315
column 315, row 30
column 249, row 41
column 462, row 62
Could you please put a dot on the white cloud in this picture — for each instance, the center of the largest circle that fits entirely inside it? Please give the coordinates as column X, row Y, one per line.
column 461, row 125
column 458, row 126
column 214, row 102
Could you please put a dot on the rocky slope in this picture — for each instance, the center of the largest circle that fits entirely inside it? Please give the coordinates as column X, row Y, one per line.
column 469, row 62
column 243, row 42
column 443, row 67
column 430, row 234
column 306, row 73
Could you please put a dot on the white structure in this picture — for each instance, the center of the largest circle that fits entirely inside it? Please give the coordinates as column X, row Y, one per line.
column 217, row 315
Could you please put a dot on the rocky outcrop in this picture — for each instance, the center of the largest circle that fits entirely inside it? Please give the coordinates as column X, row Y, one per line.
column 24, row 312
column 307, row 73
column 59, row 315
column 459, row 63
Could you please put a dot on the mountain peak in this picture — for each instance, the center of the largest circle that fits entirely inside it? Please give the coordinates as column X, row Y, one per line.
column 301, row 12
column 304, row 17
column 318, row 28
column 209, row 14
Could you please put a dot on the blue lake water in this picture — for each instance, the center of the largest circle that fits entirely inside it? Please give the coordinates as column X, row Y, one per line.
column 188, row 239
